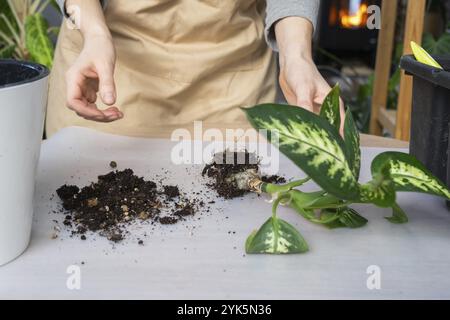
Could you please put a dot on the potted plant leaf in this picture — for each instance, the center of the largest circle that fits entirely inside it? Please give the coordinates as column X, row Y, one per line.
column 24, row 32
column 333, row 162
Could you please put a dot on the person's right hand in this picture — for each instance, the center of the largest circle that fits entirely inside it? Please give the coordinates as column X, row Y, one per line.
column 93, row 72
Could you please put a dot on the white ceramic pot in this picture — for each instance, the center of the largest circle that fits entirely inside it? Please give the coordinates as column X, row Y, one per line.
column 23, row 97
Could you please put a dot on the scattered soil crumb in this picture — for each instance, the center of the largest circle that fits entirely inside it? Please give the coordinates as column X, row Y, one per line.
column 168, row 220
column 171, row 191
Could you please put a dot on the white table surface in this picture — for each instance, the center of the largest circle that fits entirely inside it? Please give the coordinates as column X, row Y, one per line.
column 200, row 259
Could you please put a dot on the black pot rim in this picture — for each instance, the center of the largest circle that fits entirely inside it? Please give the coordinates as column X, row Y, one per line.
column 431, row 74
column 42, row 71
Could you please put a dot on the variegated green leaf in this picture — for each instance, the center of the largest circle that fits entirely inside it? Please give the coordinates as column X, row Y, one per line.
column 380, row 191
column 276, row 237
column 306, row 203
column 409, row 174
column 344, row 217
column 330, row 219
column 398, row 215
column 311, row 199
column 324, row 201
column 249, row 240
column 330, row 109
column 311, row 143
column 351, row 218
column 37, row 40
column 351, row 137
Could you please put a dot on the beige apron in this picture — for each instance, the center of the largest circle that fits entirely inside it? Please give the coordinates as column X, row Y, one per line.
column 177, row 61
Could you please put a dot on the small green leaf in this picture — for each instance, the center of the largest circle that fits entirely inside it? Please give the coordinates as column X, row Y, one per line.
column 37, row 40
column 330, row 109
column 351, row 218
column 409, row 175
column 344, row 217
column 7, row 52
column 381, row 190
column 398, row 215
column 276, row 236
column 352, row 143
column 311, row 143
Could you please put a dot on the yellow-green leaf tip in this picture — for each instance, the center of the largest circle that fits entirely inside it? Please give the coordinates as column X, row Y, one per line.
column 423, row 56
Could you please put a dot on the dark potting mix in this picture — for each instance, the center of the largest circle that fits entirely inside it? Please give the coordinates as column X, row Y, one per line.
column 118, row 199
column 121, row 198
column 227, row 168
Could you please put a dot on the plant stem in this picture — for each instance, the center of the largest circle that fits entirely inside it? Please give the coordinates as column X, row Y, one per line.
column 330, row 206
column 277, row 201
column 273, row 188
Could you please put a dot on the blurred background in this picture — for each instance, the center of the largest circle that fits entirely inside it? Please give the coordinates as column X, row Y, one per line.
column 345, row 49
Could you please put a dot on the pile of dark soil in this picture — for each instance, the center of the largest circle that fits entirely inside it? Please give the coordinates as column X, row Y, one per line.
column 118, row 199
column 226, row 165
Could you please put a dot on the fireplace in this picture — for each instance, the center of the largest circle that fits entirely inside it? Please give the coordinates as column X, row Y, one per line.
column 343, row 27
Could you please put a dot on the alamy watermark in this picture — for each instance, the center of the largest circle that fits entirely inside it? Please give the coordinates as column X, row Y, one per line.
column 200, row 146
column 73, row 281
column 373, row 281
column 374, row 17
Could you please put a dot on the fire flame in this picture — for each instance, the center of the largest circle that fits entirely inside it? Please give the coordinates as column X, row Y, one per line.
column 354, row 19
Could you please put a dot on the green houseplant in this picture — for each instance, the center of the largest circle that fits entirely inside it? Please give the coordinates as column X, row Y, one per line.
column 314, row 144
column 24, row 32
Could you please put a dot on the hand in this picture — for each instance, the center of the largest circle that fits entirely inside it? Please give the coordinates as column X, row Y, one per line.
column 300, row 81
column 93, row 71
column 302, row 84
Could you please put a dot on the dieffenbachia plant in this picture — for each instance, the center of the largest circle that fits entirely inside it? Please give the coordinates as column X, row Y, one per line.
column 333, row 162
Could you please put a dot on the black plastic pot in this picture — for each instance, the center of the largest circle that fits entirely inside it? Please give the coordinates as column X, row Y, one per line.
column 430, row 118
